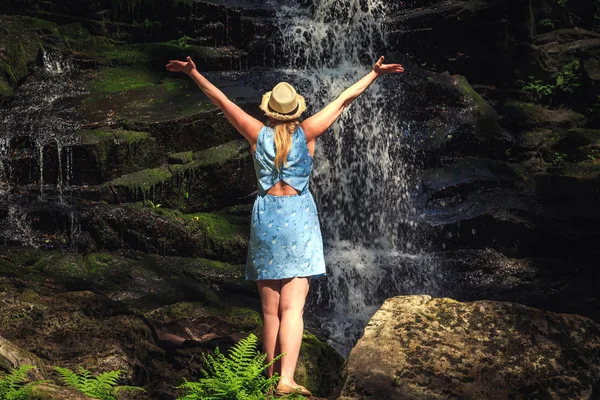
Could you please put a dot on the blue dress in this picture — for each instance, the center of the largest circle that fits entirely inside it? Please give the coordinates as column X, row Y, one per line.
column 285, row 235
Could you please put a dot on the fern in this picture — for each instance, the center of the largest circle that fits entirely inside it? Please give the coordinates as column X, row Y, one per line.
column 239, row 377
column 103, row 386
column 13, row 386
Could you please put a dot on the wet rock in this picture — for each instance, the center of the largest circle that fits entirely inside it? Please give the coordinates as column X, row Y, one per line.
column 19, row 50
column 492, row 41
column 141, row 280
column 518, row 114
column 205, row 183
column 227, row 23
column 460, row 123
column 105, row 154
column 560, row 47
column 167, row 232
column 478, row 39
column 477, row 203
column 564, row 284
column 418, row 347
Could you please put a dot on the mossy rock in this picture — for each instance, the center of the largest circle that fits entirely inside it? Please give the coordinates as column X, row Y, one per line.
column 113, row 79
column 160, row 230
column 241, row 319
column 203, row 183
column 319, row 366
column 524, row 115
column 106, row 154
column 580, row 170
column 211, row 58
column 139, row 97
column 184, row 157
column 138, row 279
column 423, row 347
column 539, row 138
column 19, row 47
column 486, row 116
column 142, row 184
column 48, row 391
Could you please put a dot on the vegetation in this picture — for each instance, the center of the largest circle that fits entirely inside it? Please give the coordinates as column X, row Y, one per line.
column 111, row 80
column 151, row 204
column 14, row 385
column 567, row 82
column 103, row 386
column 182, row 42
column 235, row 378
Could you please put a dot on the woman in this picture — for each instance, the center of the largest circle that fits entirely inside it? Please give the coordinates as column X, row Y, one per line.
column 286, row 247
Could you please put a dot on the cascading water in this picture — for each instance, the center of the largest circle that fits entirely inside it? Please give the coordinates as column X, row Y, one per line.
column 37, row 125
column 363, row 166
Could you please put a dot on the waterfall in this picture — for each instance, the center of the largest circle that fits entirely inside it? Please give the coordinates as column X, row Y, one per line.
column 38, row 127
column 363, row 166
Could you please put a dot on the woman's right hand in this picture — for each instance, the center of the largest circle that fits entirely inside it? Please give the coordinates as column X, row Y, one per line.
column 380, row 68
column 181, row 66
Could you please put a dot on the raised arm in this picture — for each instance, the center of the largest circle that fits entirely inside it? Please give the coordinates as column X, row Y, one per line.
column 245, row 124
column 315, row 125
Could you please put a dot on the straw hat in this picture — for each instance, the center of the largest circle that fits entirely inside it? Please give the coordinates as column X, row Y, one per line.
column 283, row 103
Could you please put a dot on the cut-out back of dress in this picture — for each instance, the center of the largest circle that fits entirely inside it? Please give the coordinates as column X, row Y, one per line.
column 295, row 174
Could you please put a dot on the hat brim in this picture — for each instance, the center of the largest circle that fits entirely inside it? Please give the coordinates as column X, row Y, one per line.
column 264, row 105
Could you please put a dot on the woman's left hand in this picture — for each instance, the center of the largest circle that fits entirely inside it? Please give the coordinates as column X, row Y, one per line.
column 380, row 68
column 181, row 66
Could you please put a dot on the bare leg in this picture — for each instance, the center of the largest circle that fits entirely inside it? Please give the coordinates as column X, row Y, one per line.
column 291, row 306
column 269, row 290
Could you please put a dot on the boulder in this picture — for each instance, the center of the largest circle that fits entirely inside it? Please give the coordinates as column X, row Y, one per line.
column 419, row 347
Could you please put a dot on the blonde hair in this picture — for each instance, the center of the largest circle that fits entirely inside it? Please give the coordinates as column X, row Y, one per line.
column 283, row 139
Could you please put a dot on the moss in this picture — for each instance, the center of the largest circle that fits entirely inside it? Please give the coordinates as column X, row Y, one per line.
column 214, row 156
column 184, row 157
column 119, row 151
column 89, row 137
column 122, row 55
column 143, row 180
column 173, row 86
column 110, row 80
column 585, row 136
column 592, row 68
column 540, row 138
column 585, row 169
column 520, row 172
column 219, row 154
column 20, row 46
column 93, row 137
column 5, row 88
column 219, row 226
column 239, row 318
column 131, row 136
column 238, row 209
column 178, row 311
column 485, row 114
column 530, row 114
column 35, row 23
column 445, row 311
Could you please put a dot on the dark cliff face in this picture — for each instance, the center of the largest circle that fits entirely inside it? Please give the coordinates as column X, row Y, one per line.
column 522, row 188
